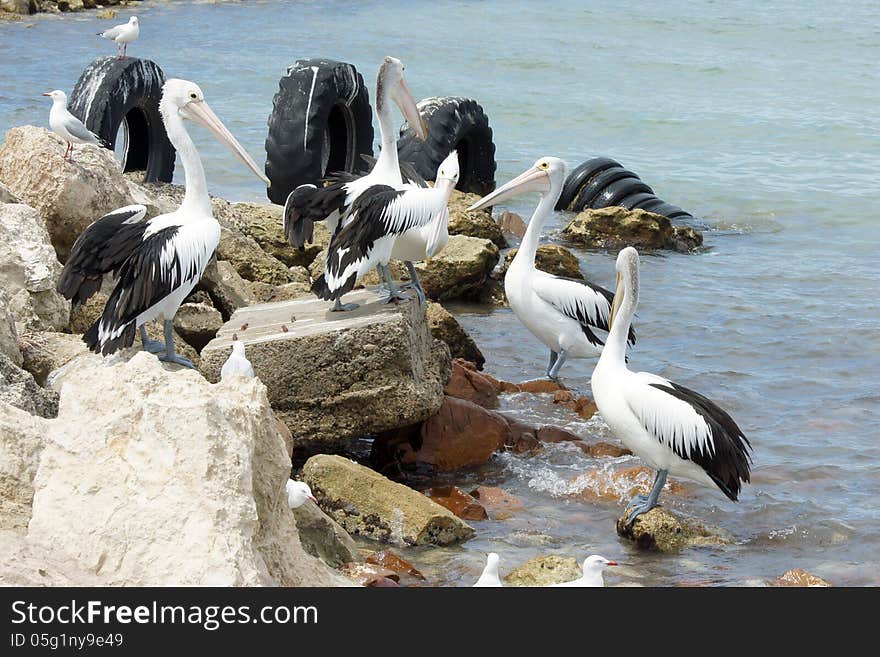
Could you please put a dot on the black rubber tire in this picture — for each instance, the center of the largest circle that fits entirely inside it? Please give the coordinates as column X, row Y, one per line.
column 649, row 204
column 630, row 201
column 321, row 123
column 579, row 176
column 596, row 184
column 114, row 91
column 453, row 123
column 618, row 190
column 667, row 210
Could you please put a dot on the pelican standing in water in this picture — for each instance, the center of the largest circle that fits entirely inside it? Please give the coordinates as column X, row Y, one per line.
column 562, row 313
column 157, row 262
column 308, row 203
column 673, row 429
column 122, row 35
column 67, row 126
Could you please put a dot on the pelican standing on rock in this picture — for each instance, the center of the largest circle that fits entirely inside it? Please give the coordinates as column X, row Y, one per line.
column 122, row 35
column 562, row 313
column 673, row 429
column 381, row 215
column 157, row 262
column 67, row 126
column 489, row 577
column 308, row 203
column 593, row 567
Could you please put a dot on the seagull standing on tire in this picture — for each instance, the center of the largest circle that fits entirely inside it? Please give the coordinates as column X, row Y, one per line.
column 157, row 262
column 67, row 126
column 122, row 35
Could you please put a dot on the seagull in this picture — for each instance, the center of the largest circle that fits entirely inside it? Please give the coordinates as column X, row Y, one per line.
column 67, row 126
column 308, row 203
column 489, row 577
column 562, row 313
column 593, row 567
column 673, row 429
column 122, row 35
column 378, row 217
column 237, row 363
column 297, row 493
column 157, row 262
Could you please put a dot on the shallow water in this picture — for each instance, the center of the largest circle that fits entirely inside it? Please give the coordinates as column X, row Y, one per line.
column 763, row 121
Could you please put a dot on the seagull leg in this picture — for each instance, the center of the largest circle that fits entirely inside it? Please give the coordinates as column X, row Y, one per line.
column 170, row 356
column 150, row 346
column 553, row 357
column 645, row 504
column 394, row 293
column 125, row 51
column 414, row 283
column 553, row 373
column 339, row 307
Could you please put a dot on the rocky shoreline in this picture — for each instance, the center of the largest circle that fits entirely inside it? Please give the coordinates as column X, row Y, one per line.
column 27, row 7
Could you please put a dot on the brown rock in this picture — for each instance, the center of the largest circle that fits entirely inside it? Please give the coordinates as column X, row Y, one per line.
column 478, row 223
column 551, row 434
column 461, row 270
column 661, row 530
column 600, row 449
column 368, row 574
column 512, row 223
column 583, row 406
column 523, row 438
column 466, row 383
column 616, row 227
column 540, row 386
column 445, row 327
column 798, row 577
column 391, row 561
column 384, row 583
column 457, row 501
column 553, row 259
column 498, row 502
column 543, row 571
column 606, row 483
column 249, row 260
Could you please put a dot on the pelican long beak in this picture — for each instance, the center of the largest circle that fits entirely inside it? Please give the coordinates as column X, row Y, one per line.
column 199, row 112
column 402, row 96
column 533, row 180
column 441, row 220
column 618, row 299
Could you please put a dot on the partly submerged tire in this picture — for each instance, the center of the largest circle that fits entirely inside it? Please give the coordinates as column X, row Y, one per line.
column 631, row 200
column 321, row 123
column 594, row 187
column 453, row 123
column 579, row 176
column 617, row 190
column 119, row 99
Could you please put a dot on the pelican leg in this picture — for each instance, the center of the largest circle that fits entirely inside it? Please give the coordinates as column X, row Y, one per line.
column 644, row 504
column 170, row 356
column 394, row 293
column 340, row 307
column 553, row 357
column 383, row 284
column 150, row 346
column 553, row 372
column 414, row 282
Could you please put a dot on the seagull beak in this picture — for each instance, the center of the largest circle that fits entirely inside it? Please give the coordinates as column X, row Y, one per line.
column 48, row 93
column 410, row 111
column 618, row 299
column 199, row 112
column 312, row 498
column 612, row 563
column 533, row 180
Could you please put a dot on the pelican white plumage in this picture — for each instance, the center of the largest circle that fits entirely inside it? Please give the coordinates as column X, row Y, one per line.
column 489, row 577
column 67, row 126
column 122, row 35
column 157, row 262
column 594, row 565
column 564, row 314
column 309, row 203
column 297, row 493
column 379, row 216
column 673, row 429
column 237, row 363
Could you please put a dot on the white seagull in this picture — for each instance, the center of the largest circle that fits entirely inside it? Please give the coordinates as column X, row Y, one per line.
column 378, row 217
column 297, row 493
column 673, row 429
column 489, row 577
column 308, row 203
column 67, row 126
column 157, row 262
column 593, row 567
column 562, row 313
column 122, row 35
column 237, row 363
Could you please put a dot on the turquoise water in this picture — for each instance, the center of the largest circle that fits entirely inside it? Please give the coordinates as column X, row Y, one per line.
column 763, row 121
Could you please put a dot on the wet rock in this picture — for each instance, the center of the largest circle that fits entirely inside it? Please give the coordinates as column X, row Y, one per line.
column 662, row 530
column 18, row 389
column 616, row 227
column 23, row 439
column 551, row 434
column 603, row 449
column 498, row 502
column 68, row 195
column 366, row 503
column 478, row 223
column 543, row 571
column 512, row 223
column 457, row 501
column 798, row 577
column 467, row 383
column 686, row 239
column 609, row 482
column 538, row 386
column 18, row 6
column 45, row 352
column 197, row 323
column 461, row 270
column 583, row 406
column 106, row 14
column 523, row 438
column 8, row 332
column 553, row 259
column 391, row 561
column 334, row 376
column 323, row 537
column 121, row 492
column 445, row 327
column 369, row 574
column 29, row 269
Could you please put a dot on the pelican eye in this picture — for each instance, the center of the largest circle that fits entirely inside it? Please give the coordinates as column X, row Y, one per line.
column 194, row 95
column 544, row 165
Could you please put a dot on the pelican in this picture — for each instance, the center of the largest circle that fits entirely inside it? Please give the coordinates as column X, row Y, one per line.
column 489, row 577
column 673, row 429
column 378, row 217
column 297, row 493
column 122, row 35
column 308, row 203
column 593, row 567
column 562, row 313
column 157, row 262
column 237, row 363
column 67, row 126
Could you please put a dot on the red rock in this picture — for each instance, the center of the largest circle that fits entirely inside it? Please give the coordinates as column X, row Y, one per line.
column 366, row 574
column 616, row 485
column 522, row 438
column 798, row 577
column 512, row 223
column 391, row 561
column 585, row 407
column 457, row 501
column 497, row 501
column 600, row 449
column 551, row 434
column 383, row 582
column 563, row 397
column 467, row 383
column 540, row 385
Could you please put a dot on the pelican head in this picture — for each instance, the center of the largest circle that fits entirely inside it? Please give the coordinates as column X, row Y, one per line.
column 186, row 99
column 57, row 96
column 391, row 83
column 297, row 493
column 446, row 180
column 545, row 176
column 627, row 267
